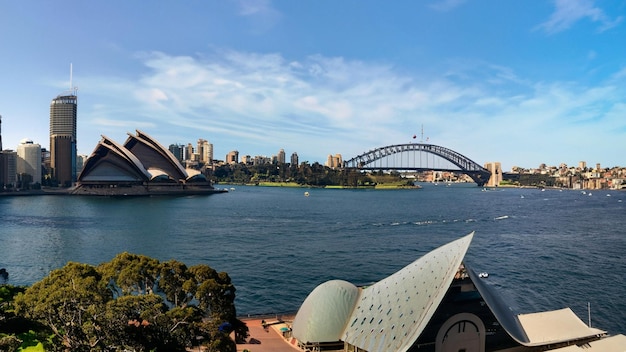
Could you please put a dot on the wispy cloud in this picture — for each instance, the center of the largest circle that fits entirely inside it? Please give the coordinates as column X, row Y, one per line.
column 568, row 12
column 261, row 14
column 322, row 105
column 446, row 5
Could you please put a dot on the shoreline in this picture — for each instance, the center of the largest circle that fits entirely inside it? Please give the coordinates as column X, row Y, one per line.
column 382, row 186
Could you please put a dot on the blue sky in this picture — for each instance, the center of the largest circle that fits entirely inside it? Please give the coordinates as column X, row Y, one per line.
column 520, row 82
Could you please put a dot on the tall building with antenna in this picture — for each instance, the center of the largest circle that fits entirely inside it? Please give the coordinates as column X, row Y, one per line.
column 63, row 113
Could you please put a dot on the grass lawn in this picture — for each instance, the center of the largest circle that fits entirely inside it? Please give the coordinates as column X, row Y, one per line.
column 37, row 348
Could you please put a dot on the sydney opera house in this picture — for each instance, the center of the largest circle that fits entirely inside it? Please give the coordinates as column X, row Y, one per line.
column 142, row 166
column 437, row 303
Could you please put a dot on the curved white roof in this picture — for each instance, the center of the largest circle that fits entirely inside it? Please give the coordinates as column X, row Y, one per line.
column 323, row 315
column 392, row 313
column 93, row 171
column 389, row 315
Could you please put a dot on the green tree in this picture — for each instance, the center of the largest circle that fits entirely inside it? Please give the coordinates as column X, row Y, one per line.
column 144, row 323
column 177, row 283
column 69, row 301
column 136, row 303
column 130, row 274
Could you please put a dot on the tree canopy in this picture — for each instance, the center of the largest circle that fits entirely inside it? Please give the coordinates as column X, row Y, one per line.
column 135, row 303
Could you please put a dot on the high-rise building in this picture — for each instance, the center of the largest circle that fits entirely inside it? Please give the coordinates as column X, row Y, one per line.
column 205, row 151
column 29, row 160
column 334, row 161
column 8, row 168
column 189, row 152
column 281, row 156
column 80, row 162
column 177, row 150
column 232, row 157
column 63, row 111
column 294, row 159
column 209, row 153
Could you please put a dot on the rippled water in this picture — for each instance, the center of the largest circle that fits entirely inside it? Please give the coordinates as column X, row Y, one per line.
column 543, row 249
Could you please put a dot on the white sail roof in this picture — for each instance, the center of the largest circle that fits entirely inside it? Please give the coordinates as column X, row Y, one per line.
column 392, row 313
column 387, row 316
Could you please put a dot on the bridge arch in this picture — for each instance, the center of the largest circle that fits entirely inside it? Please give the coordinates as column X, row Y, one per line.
column 367, row 161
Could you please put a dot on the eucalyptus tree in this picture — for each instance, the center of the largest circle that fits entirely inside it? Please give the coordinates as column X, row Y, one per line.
column 70, row 301
column 136, row 303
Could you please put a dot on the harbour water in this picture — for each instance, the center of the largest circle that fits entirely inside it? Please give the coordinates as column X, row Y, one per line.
column 542, row 249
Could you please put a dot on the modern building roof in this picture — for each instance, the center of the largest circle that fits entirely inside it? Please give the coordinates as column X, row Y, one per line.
column 142, row 166
column 111, row 161
column 546, row 328
column 141, row 158
column 323, row 316
column 391, row 314
column 154, row 156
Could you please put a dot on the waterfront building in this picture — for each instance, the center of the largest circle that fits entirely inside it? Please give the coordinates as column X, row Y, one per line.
column 294, row 159
column 142, row 166
column 63, row 113
column 437, row 303
column 8, row 168
column 29, row 160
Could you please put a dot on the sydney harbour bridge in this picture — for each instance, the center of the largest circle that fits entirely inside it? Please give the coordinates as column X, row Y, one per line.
column 418, row 157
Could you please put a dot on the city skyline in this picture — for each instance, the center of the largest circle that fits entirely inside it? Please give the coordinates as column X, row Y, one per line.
column 495, row 81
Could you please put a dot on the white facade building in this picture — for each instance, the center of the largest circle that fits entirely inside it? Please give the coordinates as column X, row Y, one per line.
column 29, row 159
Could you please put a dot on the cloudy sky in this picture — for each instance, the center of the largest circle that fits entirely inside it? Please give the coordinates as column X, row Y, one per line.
column 520, row 82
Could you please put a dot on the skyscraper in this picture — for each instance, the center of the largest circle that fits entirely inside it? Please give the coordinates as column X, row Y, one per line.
column 8, row 168
column 281, row 156
column 189, row 152
column 178, row 151
column 63, row 110
column 205, row 151
column 294, row 159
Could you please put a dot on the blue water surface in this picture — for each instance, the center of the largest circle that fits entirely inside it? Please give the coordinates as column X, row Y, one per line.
column 543, row 249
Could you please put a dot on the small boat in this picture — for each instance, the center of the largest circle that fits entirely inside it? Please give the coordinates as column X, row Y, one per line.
column 483, row 275
column 306, row 194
